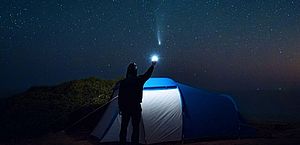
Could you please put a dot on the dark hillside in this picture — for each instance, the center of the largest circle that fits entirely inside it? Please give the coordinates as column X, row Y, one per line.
column 42, row 109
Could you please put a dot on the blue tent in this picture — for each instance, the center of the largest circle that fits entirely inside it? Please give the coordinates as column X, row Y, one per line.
column 174, row 112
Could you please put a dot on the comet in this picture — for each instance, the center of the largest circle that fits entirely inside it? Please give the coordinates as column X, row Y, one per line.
column 158, row 37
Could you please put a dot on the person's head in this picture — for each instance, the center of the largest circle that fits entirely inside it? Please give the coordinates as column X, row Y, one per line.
column 131, row 70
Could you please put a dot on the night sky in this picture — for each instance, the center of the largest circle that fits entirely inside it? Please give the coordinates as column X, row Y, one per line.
column 213, row 44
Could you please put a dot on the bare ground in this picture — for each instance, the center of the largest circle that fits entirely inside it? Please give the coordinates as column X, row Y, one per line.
column 266, row 135
column 288, row 137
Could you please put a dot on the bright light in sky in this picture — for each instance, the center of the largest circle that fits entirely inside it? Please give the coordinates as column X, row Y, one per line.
column 159, row 42
column 154, row 58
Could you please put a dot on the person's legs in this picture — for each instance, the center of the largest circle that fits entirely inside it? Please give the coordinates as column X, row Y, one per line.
column 123, row 132
column 136, row 117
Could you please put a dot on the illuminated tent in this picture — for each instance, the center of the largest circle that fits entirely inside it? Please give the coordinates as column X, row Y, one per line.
column 175, row 112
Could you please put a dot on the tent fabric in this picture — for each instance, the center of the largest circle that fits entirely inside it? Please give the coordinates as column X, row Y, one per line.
column 106, row 120
column 161, row 118
column 162, row 115
column 153, row 83
column 207, row 115
column 173, row 111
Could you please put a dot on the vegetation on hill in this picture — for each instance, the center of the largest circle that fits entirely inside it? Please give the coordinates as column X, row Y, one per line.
column 41, row 109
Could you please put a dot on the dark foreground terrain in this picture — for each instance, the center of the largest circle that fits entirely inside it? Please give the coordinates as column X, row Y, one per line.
column 283, row 135
column 44, row 109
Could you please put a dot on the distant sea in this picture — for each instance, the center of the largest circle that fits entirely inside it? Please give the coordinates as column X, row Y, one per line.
column 269, row 105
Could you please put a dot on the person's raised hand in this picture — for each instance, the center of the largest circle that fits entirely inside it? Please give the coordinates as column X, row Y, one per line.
column 154, row 63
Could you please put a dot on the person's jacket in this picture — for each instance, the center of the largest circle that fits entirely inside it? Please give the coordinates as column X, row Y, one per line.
column 131, row 91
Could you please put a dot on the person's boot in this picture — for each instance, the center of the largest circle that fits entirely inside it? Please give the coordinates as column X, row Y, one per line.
column 122, row 143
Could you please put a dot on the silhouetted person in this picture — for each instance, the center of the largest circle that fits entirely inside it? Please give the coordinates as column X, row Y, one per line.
column 130, row 99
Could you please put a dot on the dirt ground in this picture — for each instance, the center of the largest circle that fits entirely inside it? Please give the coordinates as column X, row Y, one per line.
column 266, row 135
column 257, row 141
column 284, row 138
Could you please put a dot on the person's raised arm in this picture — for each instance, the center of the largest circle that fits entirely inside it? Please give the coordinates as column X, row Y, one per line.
column 148, row 73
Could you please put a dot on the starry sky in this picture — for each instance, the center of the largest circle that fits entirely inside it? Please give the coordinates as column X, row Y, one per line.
column 213, row 44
